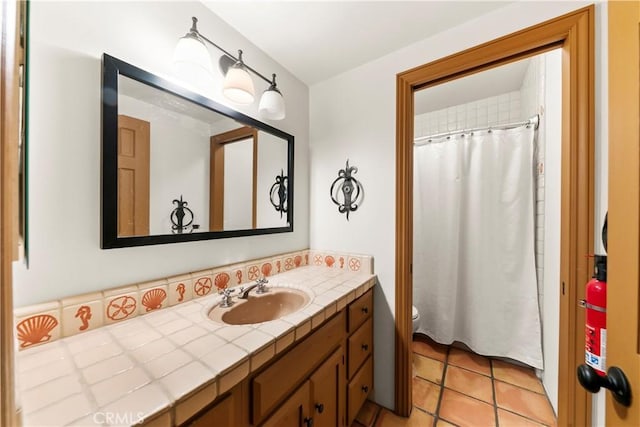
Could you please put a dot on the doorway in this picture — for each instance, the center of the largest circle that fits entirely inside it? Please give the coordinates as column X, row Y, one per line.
column 486, row 236
column 573, row 33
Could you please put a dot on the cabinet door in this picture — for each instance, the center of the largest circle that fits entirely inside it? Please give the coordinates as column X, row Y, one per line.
column 227, row 411
column 294, row 412
column 327, row 391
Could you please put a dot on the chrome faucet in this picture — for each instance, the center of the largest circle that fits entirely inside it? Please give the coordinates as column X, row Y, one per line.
column 226, row 298
column 260, row 284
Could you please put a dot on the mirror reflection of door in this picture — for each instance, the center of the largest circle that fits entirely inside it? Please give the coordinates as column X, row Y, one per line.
column 232, row 202
column 133, row 176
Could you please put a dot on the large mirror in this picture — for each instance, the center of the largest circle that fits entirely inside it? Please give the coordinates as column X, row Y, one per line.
column 177, row 166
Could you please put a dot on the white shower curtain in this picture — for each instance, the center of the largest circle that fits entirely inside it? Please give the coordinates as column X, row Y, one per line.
column 474, row 264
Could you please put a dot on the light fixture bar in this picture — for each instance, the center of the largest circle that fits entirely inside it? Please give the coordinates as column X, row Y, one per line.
column 194, row 29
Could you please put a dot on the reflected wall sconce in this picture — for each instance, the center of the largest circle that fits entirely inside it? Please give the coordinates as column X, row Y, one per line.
column 278, row 193
column 192, row 61
column 347, row 188
column 182, row 218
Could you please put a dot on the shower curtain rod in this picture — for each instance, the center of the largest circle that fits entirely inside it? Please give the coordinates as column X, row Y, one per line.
column 535, row 121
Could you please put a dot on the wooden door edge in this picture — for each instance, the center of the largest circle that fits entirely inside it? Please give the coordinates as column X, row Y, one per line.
column 575, row 33
column 9, row 107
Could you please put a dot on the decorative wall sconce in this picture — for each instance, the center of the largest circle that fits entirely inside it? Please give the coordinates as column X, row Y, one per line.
column 191, row 60
column 350, row 188
column 279, row 189
column 178, row 216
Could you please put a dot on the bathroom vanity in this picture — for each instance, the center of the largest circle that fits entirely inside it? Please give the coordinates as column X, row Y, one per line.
column 322, row 381
column 178, row 366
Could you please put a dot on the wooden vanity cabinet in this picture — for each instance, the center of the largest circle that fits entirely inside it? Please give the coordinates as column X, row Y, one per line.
column 322, row 381
column 359, row 354
column 295, row 411
column 227, row 410
column 318, row 401
column 328, row 392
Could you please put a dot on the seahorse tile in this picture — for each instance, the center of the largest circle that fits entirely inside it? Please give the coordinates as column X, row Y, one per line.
column 82, row 317
column 180, row 289
column 238, row 274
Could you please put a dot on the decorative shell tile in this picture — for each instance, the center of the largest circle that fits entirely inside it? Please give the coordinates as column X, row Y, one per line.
column 266, row 269
column 355, row 264
column 202, row 284
column 44, row 323
column 36, row 329
column 288, row 263
column 221, row 280
column 153, row 299
column 253, row 272
column 121, row 307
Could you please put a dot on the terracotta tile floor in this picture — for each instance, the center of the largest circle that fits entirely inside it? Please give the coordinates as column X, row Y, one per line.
column 453, row 387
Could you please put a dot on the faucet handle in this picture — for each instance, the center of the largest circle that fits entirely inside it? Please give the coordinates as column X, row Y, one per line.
column 226, row 298
column 262, row 288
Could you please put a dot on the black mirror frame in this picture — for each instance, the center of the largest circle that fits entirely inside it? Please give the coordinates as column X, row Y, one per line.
column 111, row 69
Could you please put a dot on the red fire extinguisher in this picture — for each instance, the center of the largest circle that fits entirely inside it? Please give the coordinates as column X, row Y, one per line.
column 596, row 317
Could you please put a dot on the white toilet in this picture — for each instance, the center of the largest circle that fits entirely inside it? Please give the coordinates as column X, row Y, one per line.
column 415, row 316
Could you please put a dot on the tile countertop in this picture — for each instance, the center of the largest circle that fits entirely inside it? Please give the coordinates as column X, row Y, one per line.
column 165, row 366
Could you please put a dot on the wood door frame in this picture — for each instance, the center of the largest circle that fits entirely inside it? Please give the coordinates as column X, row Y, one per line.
column 216, row 174
column 574, row 33
column 11, row 56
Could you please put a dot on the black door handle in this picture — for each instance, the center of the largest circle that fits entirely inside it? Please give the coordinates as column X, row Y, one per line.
column 615, row 381
column 308, row 422
column 320, row 407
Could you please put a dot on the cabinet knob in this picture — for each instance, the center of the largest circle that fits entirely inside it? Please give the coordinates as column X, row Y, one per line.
column 308, row 422
column 365, row 347
column 365, row 389
column 319, row 408
column 365, row 310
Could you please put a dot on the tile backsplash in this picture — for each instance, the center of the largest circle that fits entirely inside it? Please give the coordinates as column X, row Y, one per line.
column 42, row 323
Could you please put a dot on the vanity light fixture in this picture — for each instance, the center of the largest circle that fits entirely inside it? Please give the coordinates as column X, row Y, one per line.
column 192, row 52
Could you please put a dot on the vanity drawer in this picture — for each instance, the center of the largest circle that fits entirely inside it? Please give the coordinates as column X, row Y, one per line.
column 360, row 346
column 359, row 389
column 360, row 310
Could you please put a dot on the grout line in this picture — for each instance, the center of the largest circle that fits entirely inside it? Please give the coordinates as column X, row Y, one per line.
column 436, row 416
column 493, row 391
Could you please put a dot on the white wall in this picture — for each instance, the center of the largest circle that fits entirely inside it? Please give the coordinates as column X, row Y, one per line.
column 353, row 116
column 238, row 185
column 67, row 40
column 272, row 159
column 551, row 123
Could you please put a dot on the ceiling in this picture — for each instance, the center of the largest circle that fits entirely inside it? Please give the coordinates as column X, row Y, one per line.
column 316, row 40
column 496, row 81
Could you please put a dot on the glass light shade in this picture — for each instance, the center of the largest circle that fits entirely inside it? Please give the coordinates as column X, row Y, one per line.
column 272, row 105
column 192, row 63
column 238, row 86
